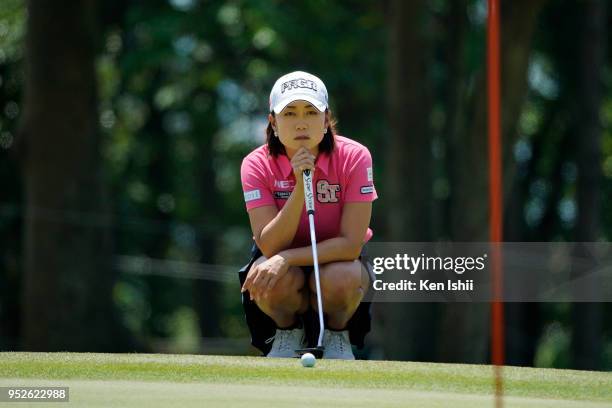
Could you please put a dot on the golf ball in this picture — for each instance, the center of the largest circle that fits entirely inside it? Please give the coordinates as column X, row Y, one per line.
column 308, row 360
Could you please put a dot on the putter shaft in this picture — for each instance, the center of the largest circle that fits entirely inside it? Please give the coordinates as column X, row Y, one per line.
column 309, row 199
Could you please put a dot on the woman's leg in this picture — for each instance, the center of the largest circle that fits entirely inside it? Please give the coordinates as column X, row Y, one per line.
column 286, row 299
column 343, row 285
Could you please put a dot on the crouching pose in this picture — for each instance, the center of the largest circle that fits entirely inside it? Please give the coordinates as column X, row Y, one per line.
column 278, row 285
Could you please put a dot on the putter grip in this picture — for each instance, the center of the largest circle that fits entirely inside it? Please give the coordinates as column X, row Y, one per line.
column 308, row 193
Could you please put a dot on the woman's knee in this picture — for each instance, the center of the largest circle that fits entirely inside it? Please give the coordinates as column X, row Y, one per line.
column 287, row 293
column 340, row 281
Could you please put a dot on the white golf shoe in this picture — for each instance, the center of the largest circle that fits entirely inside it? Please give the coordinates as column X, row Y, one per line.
column 337, row 345
column 286, row 342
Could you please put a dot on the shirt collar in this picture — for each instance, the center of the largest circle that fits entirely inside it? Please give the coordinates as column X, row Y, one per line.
column 285, row 165
column 322, row 163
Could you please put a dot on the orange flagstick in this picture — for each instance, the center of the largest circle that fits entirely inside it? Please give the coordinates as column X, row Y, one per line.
column 495, row 195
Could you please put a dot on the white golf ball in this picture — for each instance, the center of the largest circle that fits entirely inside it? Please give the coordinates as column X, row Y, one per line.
column 308, row 360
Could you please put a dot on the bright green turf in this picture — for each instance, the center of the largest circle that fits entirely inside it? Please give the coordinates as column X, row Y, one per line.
column 151, row 381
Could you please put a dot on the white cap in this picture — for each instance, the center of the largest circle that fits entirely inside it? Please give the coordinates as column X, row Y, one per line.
column 296, row 86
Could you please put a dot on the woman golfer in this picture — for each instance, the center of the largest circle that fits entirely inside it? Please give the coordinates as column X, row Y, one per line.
column 278, row 288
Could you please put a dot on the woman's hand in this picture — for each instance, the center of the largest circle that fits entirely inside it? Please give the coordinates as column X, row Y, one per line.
column 264, row 276
column 302, row 160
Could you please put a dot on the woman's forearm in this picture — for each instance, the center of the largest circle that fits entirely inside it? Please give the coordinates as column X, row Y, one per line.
column 279, row 233
column 331, row 250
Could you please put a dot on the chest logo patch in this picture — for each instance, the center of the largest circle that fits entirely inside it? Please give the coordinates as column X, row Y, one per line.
column 284, row 183
column 282, row 195
column 327, row 193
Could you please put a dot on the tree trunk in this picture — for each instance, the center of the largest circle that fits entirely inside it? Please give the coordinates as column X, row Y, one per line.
column 208, row 294
column 67, row 274
column 468, row 322
column 408, row 183
column 587, row 317
column 408, row 169
column 456, row 98
column 524, row 320
column 469, row 216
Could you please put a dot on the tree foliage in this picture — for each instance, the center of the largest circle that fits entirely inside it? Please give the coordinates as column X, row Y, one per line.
column 182, row 96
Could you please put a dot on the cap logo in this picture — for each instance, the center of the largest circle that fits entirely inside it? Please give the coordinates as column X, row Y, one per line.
column 298, row 83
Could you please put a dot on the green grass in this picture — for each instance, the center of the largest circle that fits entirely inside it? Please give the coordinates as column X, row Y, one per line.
column 206, row 381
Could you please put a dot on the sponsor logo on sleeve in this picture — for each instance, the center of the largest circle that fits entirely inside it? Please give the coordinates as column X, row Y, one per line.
column 252, row 195
column 367, row 189
column 370, row 174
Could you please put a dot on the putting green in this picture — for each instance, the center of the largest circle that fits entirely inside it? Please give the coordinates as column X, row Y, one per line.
column 145, row 380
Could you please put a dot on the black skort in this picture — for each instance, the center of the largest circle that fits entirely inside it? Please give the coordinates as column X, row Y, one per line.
column 263, row 328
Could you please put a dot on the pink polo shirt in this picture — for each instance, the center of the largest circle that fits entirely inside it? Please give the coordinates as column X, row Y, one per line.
column 343, row 176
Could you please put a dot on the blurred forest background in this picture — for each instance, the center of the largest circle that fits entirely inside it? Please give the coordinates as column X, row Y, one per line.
column 123, row 125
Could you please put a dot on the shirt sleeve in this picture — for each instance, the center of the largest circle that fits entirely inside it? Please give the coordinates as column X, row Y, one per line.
column 254, row 185
column 360, row 177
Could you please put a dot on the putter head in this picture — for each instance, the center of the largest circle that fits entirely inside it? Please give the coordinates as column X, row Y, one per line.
column 315, row 351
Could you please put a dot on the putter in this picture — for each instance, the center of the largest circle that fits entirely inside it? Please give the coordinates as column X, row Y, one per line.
column 309, row 199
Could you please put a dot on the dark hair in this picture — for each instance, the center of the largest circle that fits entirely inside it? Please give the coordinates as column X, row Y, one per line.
column 326, row 146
